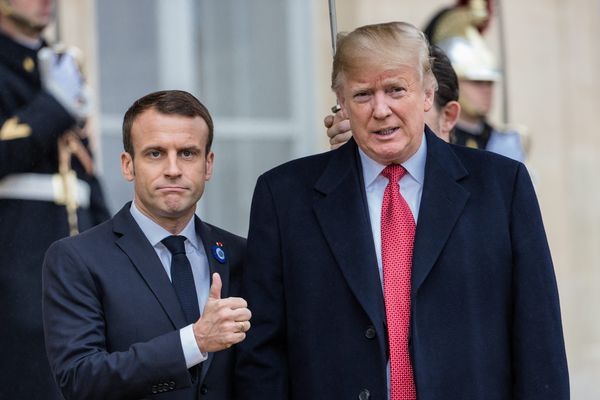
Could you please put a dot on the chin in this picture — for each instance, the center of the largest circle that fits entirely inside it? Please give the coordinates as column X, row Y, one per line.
column 389, row 153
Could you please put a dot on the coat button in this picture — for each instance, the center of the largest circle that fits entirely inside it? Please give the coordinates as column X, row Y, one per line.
column 370, row 333
column 364, row 395
column 203, row 389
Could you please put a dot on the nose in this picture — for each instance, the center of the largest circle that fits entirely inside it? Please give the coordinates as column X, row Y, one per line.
column 172, row 168
column 381, row 109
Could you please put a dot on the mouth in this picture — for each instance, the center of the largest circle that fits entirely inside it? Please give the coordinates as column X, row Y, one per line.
column 172, row 189
column 386, row 131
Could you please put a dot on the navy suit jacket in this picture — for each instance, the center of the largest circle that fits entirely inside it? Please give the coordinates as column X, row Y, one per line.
column 112, row 318
column 485, row 318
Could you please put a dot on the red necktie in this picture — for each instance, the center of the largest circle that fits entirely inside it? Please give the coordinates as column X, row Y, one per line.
column 397, row 238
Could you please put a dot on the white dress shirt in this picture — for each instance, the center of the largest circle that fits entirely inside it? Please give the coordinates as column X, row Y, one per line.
column 411, row 188
column 196, row 254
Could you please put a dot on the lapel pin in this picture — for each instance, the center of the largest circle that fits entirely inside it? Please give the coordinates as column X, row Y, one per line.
column 218, row 253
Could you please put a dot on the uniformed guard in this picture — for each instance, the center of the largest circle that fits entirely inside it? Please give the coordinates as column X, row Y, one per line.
column 47, row 186
column 456, row 30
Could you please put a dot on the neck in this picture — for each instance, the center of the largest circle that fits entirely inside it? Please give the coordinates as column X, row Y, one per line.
column 172, row 224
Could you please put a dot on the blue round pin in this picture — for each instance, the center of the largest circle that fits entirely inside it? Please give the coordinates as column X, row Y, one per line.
column 219, row 254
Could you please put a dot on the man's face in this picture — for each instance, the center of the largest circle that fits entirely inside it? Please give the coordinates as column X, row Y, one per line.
column 37, row 12
column 170, row 165
column 386, row 109
column 476, row 97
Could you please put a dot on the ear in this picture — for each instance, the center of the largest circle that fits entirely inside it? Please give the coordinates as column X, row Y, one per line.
column 210, row 158
column 449, row 116
column 429, row 97
column 127, row 166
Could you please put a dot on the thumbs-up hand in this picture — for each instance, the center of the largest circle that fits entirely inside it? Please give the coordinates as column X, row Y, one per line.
column 224, row 322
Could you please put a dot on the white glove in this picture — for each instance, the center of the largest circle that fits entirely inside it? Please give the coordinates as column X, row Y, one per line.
column 61, row 77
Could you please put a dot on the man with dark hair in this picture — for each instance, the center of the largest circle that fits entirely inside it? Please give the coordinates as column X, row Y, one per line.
column 122, row 301
column 174, row 102
column 441, row 118
column 446, row 109
column 48, row 188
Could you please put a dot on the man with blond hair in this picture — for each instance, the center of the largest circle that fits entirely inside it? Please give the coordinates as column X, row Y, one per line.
column 375, row 271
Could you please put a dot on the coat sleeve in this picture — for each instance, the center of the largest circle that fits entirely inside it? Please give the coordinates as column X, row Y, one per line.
column 28, row 132
column 261, row 370
column 539, row 360
column 76, row 344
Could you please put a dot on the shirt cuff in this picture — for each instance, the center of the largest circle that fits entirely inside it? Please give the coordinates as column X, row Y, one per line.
column 191, row 352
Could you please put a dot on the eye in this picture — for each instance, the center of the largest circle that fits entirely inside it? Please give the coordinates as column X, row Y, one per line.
column 187, row 153
column 396, row 91
column 154, row 154
column 362, row 96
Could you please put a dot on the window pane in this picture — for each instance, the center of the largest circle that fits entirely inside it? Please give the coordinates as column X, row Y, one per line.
column 127, row 52
column 243, row 57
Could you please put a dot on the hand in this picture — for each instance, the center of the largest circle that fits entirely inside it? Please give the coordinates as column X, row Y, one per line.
column 338, row 129
column 61, row 77
column 224, row 322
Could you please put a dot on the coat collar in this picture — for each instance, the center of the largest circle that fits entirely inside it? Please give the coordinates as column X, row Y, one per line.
column 212, row 240
column 442, row 202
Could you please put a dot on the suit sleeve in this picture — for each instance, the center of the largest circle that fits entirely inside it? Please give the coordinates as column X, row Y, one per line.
column 30, row 131
column 539, row 360
column 261, row 370
column 77, row 346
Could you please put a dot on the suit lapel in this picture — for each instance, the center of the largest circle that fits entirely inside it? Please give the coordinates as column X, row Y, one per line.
column 442, row 202
column 133, row 242
column 210, row 240
column 342, row 214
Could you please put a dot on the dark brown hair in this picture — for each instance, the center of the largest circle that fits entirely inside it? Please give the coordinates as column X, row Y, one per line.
column 447, row 81
column 168, row 102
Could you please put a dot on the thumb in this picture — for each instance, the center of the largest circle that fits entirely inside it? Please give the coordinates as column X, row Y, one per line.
column 215, row 288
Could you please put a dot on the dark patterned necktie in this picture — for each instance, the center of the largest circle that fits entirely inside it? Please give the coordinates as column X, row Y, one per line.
column 182, row 278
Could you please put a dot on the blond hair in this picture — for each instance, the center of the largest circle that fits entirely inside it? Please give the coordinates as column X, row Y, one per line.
column 390, row 44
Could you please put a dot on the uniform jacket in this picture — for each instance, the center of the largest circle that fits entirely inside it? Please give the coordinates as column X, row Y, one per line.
column 485, row 318
column 31, row 121
column 112, row 317
column 507, row 143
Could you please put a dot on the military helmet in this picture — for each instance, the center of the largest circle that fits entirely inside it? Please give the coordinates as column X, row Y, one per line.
column 456, row 31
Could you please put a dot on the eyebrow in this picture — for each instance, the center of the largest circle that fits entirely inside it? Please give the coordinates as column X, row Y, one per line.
column 161, row 147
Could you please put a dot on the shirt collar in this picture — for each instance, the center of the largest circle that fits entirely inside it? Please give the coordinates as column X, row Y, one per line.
column 155, row 233
column 415, row 165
